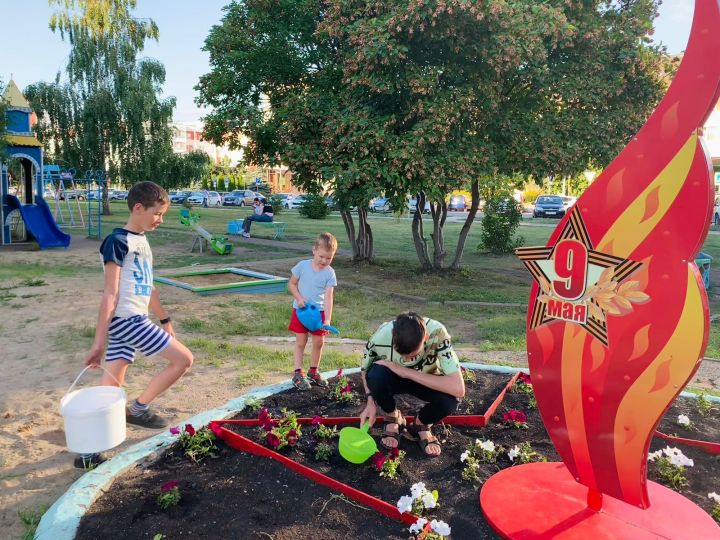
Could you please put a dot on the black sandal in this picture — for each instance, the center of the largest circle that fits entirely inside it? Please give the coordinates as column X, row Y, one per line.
column 416, row 429
column 399, row 421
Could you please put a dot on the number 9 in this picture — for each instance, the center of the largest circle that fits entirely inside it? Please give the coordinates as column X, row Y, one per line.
column 571, row 259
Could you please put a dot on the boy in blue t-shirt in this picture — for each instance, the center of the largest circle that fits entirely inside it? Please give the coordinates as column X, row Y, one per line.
column 123, row 316
column 313, row 280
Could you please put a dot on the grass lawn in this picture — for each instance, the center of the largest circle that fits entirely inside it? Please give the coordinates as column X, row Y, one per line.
column 364, row 302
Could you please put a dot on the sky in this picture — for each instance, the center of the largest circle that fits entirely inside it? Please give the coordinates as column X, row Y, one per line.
column 31, row 52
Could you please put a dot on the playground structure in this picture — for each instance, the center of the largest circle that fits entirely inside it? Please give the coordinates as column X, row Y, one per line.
column 259, row 284
column 218, row 243
column 77, row 201
column 24, row 214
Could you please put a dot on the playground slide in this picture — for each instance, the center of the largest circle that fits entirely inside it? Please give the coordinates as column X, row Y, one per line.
column 40, row 222
column 218, row 243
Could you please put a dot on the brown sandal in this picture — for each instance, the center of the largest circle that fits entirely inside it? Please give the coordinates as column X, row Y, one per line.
column 399, row 421
column 416, row 430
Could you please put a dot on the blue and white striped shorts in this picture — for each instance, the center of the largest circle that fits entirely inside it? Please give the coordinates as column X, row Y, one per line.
column 136, row 333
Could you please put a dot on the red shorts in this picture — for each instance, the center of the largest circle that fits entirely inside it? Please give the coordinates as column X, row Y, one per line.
column 297, row 327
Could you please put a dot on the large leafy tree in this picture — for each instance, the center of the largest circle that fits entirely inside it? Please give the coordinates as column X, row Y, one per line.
column 108, row 115
column 3, row 108
column 469, row 94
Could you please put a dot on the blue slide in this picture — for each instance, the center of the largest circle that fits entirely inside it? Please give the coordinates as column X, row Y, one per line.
column 40, row 222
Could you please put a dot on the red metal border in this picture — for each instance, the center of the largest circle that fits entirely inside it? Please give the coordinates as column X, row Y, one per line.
column 712, row 448
column 239, row 442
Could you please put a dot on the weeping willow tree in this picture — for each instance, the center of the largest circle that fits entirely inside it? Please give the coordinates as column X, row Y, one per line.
column 108, row 114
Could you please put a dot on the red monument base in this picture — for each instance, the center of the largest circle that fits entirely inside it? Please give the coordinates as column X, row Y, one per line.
column 542, row 500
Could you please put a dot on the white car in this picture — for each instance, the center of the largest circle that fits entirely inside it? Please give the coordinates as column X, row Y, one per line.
column 295, row 203
column 568, row 202
column 205, row 198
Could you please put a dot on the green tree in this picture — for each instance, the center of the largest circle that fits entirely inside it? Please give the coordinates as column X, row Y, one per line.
column 108, row 115
column 3, row 109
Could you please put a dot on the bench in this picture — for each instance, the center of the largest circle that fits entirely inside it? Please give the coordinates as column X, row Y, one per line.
column 236, row 227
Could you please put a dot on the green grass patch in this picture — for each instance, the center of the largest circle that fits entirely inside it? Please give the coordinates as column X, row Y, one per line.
column 30, row 519
column 73, row 338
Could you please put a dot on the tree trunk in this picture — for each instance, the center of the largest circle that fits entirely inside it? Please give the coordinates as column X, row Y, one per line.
column 419, row 235
column 439, row 215
column 105, row 200
column 362, row 243
column 475, row 191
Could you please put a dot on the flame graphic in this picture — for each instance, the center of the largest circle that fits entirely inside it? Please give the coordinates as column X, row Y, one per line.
column 653, row 204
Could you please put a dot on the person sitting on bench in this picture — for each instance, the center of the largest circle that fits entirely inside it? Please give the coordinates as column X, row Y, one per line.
column 262, row 211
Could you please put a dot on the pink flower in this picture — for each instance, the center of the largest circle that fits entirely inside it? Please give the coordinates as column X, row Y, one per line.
column 263, row 415
column 273, row 440
column 175, row 430
column 524, row 378
column 189, row 429
column 292, row 437
column 345, row 390
column 515, row 416
column 378, row 460
column 339, row 373
column 394, row 453
column 269, row 425
column 316, row 420
column 169, row 485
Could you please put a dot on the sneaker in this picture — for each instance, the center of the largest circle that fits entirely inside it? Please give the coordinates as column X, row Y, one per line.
column 147, row 420
column 300, row 381
column 245, row 235
column 317, row 378
column 89, row 463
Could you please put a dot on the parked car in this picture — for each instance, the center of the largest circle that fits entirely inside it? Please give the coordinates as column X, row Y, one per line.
column 296, row 202
column 381, row 204
column 179, row 197
column 209, row 198
column 412, row 206
column 330, row 202
column 94, row 195
column 716, row 213
column 241, row 197
column 458, row 203
column 549, row 206
column 283, row 198
column 568, row 202
column 223, row 194
column 79, row 194
column 121, row 195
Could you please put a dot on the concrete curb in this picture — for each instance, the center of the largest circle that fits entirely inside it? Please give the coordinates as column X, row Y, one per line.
column 62, row 519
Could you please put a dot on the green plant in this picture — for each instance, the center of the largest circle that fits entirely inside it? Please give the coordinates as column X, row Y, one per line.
column 670, row 474
column 323, row 451
column 478, row 451
column 253, row 404
column 30, row 282
column 419, row 500
column 502, row 218
column 314, row 207
column 341, row 390
column 702, row 405
column 159, row 536
column 468, row 375
column 277, row 203
column 197, row 444
column 30, row 520
column 169, row 495
column 524, row 453
column 326, row 433
column 279, row 432
column 387, row 465
column 715, row 513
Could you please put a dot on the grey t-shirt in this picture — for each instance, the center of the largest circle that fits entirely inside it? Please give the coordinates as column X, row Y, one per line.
column 312, row 284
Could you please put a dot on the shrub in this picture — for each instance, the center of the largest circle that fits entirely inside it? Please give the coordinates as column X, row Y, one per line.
column 314, row 207
column 277, row 204
column 502, row 218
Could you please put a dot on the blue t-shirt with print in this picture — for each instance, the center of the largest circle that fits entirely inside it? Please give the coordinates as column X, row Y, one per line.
column 312, row 284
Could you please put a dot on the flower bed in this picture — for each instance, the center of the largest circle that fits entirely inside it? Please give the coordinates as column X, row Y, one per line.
column 240, row 495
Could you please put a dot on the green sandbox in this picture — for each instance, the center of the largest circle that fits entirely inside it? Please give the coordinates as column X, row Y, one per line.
column 261, row 284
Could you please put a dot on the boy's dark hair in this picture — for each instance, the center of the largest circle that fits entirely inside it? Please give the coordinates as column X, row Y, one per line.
column 256, row 199
column 148, row 194
column 408, row 332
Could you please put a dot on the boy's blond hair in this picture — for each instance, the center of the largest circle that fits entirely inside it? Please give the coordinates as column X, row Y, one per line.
column 326, row 241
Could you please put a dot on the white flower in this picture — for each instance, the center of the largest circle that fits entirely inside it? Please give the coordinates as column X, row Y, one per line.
column 464, row 455
column 681, row 460
column 418, row 526
column 652, row 456
column 405, row 504
column 428, row 500
column 514, row 452
column 488, row 446
column 440, row 527
column 417, row 490
column 714, row 496
column 683, row 420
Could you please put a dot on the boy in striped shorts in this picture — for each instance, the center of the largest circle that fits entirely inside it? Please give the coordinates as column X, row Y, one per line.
column 123, row 317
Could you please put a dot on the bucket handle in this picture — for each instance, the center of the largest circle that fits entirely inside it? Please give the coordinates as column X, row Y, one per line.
column 83, row 373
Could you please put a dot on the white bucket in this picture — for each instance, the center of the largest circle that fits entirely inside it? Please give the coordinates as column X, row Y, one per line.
column 94, row 417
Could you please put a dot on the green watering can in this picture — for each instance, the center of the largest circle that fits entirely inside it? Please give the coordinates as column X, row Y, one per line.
column 355, row 445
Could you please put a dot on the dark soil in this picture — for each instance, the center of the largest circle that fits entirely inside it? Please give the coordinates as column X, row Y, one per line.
column 242, row 496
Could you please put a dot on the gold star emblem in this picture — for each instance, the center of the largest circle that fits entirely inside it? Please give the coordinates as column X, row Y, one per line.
column 578, row 284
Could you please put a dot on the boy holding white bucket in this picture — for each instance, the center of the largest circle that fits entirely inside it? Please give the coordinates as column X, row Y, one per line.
column 123, row 316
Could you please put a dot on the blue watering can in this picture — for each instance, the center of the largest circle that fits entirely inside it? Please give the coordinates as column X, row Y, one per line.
column 310, row 318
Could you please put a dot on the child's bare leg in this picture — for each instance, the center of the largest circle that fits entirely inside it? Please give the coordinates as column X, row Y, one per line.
column 117, row 369
column 300, row 342
column 180, row 359
column 317, row 347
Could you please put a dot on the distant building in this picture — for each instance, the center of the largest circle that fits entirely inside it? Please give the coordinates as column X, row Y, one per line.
column 711, row 135
column 187, row 137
